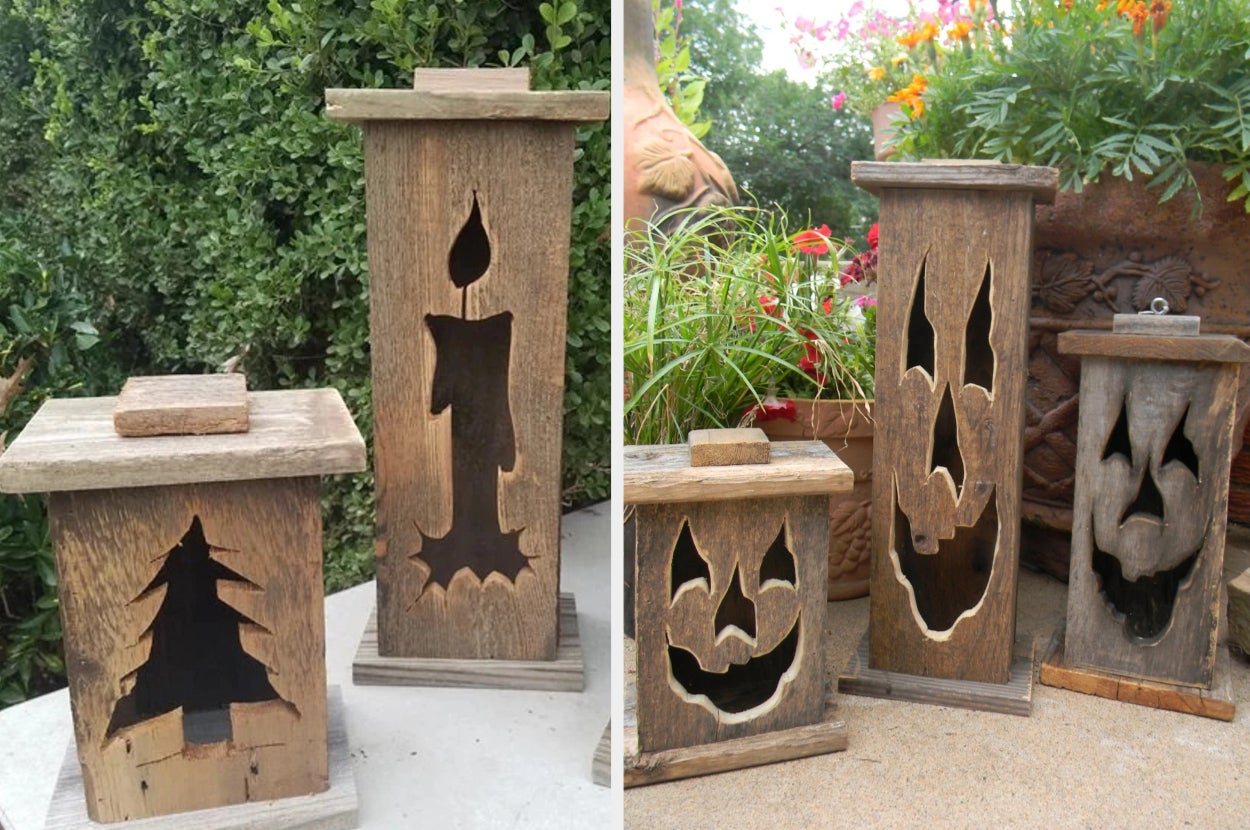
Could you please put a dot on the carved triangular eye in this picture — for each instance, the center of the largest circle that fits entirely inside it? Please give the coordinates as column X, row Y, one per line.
column 1118, row 441
column 1180, row 448
column 920, row 339
column 778, row 562
column 978, row 354
column 687, row 565
column 470, row 253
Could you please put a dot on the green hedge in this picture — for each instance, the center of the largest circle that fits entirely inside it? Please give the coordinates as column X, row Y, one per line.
column 169, row 183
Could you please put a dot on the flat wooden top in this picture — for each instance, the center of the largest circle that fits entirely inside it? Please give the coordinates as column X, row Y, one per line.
column 70, row 445
column 956, row 174
column 486, row 104
column 1212, row 348
column 662, row 473
column 181, row 405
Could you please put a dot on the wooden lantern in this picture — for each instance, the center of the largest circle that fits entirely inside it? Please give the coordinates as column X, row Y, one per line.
column 731, row 579
column 468, row 182
column 952, row 326
column 1154, row 445
column 190, row 587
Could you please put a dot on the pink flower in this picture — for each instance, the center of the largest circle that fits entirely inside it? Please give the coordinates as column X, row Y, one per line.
column 806, row 59
column 803, row 24
column 856, row 8
column 838, row 101
column 864, row 301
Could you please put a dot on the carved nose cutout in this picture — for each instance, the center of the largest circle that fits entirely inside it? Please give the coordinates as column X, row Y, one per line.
column 1149, row 501
column 470, row 253
column 735, row 609
column 946, row 441
column 920, row 338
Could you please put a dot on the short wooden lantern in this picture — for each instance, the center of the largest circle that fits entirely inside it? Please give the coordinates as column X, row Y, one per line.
column 952, row 329
column 190, row 588
column 1154, row 445
column 468, row 182
column 731, row 579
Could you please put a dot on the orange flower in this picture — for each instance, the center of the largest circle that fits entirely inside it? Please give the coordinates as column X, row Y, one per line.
column 1138, row 14
column 929, row 31
column 1101, row 5
column 908, row 40
column 1159, row 11
column 1066, row 5
column 960, row 30
column 876, row 73
column 1122, row 7
column 911, row 95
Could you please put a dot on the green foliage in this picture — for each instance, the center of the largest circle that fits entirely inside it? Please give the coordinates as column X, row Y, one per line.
column 781, row 140
column 174, row 159
column 1079, row 90
column 682, row 89
column 728, row 309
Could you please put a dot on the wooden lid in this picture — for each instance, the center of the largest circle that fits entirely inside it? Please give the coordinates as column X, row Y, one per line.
column 956, row 174
column 1211, row 348
column 468, row 95
column 70, row 444
column 662, row 473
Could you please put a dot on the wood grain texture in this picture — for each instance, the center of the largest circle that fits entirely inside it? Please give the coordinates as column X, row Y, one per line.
column 1015, row 697
column 181, row 405
column 1166, row 325
column 877, row 177
column 732, row 540
column 70, row 445
column 951, row 242
column 367, row 105
column 566, row 673
column 483, row 79
column 601, row 764
column 333, row 809
column 421, row 182
column 828, row 734
column 1157, row 399
column 1216, row 348
column 718, row 447
column 1239, row 612
column 1216, row 702
column 661, row 473
column 109, row 546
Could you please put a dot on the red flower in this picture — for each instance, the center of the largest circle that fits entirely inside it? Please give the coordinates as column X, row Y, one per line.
column 872, row 236
column 813, row 241
column 827, row 305
column 772, row 409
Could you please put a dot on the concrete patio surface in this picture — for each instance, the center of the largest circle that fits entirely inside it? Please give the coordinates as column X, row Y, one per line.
column 1078, row 761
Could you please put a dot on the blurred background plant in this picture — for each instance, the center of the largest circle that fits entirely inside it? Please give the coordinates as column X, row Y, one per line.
column 732, row 308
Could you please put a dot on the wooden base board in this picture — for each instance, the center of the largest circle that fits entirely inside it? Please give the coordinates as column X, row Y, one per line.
column 601, row 764
column 1014, row 697
column 566, row 673
column 642, row 768
column 1216, row 702
column 334, row 809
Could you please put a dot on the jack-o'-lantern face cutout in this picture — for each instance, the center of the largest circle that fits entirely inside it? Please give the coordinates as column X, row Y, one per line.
column 1151, row 516
column 734, row 625
column 945, row 526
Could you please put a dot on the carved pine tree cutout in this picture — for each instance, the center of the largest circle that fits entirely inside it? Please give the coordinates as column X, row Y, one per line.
column 945, row 444
column 687, row 564
column 920, row 338
column 1143, row 606
column 1118, row 442
column 953, row 580
column 471, row 377
column 1180, row 449
column 978, row 353
column 197, row 661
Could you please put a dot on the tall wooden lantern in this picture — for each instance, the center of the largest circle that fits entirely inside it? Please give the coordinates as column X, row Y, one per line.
column 190, row 586
column 732, row 559
column 952, row 332
column 1154, row 445
column 468, row 181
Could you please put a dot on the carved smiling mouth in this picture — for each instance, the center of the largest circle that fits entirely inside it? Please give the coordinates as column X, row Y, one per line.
column 1145, row 605
column 740, row 687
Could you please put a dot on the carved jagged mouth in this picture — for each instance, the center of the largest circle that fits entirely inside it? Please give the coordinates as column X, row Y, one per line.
column 1145, row 606
column 740, row 687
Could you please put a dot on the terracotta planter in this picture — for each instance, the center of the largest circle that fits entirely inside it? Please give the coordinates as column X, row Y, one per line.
column 1109, row 249
column 847, row 428
column 882, row 116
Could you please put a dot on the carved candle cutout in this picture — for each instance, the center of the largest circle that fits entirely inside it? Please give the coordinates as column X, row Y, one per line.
column 744, row 661
column 471, row 377
column 196, row 660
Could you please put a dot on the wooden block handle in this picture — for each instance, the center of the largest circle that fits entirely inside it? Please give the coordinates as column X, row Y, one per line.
column 722, row 447
column 182, row 405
